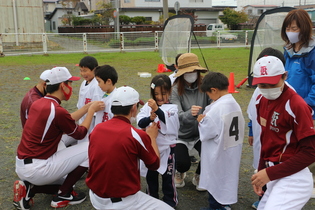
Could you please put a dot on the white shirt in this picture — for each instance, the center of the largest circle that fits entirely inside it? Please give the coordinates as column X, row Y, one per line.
column 167, row 135
column 222, row 133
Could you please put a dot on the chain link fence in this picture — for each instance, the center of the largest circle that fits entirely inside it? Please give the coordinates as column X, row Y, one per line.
column 49, row 43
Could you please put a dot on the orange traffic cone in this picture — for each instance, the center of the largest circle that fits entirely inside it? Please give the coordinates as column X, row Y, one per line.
column 160, row 68
column 231, row 88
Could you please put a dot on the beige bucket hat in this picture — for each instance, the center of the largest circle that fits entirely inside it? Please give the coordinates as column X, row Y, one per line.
column 188, row 62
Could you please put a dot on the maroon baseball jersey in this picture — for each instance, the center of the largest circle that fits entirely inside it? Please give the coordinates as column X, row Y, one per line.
column 114, row 152
column 31, row 96
column 284, row 122
column 46, row 123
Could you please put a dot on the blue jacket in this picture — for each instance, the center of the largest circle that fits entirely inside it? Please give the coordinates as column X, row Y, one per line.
column 301, row 72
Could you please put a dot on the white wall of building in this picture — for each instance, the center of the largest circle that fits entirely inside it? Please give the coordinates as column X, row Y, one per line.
column 280, row 3
column 183, row 3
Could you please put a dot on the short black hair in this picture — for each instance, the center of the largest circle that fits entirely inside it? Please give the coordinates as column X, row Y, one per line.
column 214, row 80
column 88, row 62
column 121, row 110
column 269, row 51
column 54, row 88
column 106, row 72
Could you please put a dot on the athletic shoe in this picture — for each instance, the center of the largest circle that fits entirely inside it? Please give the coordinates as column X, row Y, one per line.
column 21, row 197
column 179, row 179
column 195, row 182
column 255, row 205
column 72, row 198
column 193, row 159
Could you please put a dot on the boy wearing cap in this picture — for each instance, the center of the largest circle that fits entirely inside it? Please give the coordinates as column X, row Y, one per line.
column 39, row 165
column 287, row 140
column 37, row 92
column 114, row 176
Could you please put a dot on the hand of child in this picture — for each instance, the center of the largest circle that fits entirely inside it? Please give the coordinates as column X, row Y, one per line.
column 195, row 110
column 152, row 115
column 250, row 140
column 97, row 106
column 152, row 130
column 200, row 117
column 259, row 180
column 153, row 105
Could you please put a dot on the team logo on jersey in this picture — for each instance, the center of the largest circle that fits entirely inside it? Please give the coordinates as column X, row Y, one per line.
column 170, row 113
column 273, row 122
column 87, row 100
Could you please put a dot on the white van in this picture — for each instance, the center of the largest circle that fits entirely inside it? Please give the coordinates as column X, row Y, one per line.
column 213, row 28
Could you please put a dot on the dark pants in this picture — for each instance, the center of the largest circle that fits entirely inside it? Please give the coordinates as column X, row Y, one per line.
column 168, row 185
column 213, row 204
column 183, row 161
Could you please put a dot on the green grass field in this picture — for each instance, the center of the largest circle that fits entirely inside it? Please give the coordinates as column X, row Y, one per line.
column 14, row 69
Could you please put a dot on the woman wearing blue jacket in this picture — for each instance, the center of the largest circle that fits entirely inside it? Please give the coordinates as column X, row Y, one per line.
column 300, row 58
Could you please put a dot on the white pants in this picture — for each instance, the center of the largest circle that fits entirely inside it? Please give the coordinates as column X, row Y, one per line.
column 55, row 168
column 138, row 201
column 287, row 193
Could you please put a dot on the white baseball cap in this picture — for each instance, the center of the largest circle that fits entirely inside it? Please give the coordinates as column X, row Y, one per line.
column 268, row 69
column 59, row 75
column 125, row 96
column 44, row 75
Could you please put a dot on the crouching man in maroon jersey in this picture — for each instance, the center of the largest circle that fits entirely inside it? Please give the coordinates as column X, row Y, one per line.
column 39, row 165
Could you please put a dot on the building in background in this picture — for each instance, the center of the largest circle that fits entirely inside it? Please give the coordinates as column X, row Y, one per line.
column 279, row 3
column 17, row 16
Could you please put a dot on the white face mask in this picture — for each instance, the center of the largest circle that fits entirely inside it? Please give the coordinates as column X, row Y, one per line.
column 271, row 93
column 293, row 37
column 191, row 77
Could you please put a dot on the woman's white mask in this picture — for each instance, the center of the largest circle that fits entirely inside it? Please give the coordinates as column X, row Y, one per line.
column 191, row 77
column 293, row 37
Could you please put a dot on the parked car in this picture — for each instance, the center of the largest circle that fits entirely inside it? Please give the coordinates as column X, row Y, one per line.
column 224, row 36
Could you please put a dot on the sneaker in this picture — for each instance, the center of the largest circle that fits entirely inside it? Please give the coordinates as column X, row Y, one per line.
column 255, row 205
column 72, row 198
column 179, row 179
column 193, row 159
column 195, row 182
column 21, row 197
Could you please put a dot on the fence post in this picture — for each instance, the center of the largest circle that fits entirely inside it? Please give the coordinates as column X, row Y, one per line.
column 1, row 47
column 246, row 38
column 84, row 43
column 122, row 44
column 44, row 39
column 156, row 36
column 218, row 39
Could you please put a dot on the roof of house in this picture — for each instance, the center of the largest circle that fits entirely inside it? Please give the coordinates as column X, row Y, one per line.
column 81, row 6
column 262, row 6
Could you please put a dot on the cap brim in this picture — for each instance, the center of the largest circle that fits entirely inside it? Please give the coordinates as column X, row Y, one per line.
column 267, row 80
column 74, row 78
column 190, row 69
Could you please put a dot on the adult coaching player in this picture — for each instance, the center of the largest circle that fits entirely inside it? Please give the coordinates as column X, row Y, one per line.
column 37, row 92
column 287, row 140
column 38, row 163
column 114, row 152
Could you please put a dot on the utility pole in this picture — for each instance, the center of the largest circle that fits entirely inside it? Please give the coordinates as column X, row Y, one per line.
column 165, row 10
